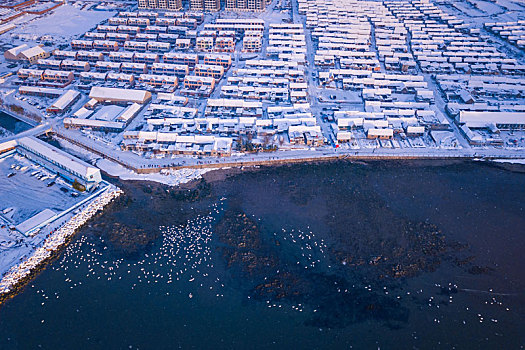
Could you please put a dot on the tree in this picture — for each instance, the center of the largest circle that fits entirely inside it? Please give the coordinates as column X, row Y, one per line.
column 266, row 141
column 78, row 186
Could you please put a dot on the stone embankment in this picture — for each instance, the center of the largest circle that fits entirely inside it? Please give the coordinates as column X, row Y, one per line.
column 18, row 273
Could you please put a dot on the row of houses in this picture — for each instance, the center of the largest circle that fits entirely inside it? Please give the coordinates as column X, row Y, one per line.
column 273, row 94
column 111, row 46
column 182, row 120
column 345, row 30
column 442, row 45
column 468, row 89
column 513, row 32
column 287, row 38
column 263, row 98
column 230, row 126
column 470, row 70
column 140, row 57
column 377, row 125
column 134, row 25
column 212, row 44
column 239, row 25
column 172, row 143
column 379, row 85
column 130, row 68
column 291, row 70
column 123, row 33
column 154, row 15
column 66, row 65
column 292, row 74
column 152, row 80
column 252, row 41
column 48, row 77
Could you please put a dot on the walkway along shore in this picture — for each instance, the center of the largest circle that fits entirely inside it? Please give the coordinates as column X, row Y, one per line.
column 18, row 274
column 288, row 157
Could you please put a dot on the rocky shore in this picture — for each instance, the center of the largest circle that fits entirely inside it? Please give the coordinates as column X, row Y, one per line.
column 24, row 271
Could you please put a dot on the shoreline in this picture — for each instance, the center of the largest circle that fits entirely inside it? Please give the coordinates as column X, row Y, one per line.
column 216, row 173
column 15, row 280
column 299, row 156
column 20, row 274
column 29, row 121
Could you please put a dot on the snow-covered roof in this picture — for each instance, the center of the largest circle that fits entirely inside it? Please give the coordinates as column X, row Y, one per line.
column 415, row 129
column 7, row 145
column 40, row 90
column 119, row 95
column 344, row 135
column 83, row 113
column 65, row 100
column 129, row 112
column 35, row 220
column 32, row 52
column 197, row 79
column 233, row 103
column 69, row 162
column 381, row 132
column 482, row 119
column 16, row 50
column 94, row 123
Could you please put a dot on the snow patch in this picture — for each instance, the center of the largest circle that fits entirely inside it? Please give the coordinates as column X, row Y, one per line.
column 511, row 161
column 171, row 177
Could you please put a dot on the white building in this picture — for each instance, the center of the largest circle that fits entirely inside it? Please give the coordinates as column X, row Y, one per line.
column 60, row 162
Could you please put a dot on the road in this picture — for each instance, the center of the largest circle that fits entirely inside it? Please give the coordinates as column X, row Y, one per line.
column 35, row 131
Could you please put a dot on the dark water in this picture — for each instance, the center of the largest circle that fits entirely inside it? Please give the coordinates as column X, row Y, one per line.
column 12, row 124
column 391, row 255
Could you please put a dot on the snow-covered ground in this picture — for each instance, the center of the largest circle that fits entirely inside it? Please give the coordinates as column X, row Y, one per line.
column 59, row 25
column 18, row 191
column 171, row 178
column 23, row 195
column 511, row 161
column 5, row 133
column 65, row 20
column 41, row 247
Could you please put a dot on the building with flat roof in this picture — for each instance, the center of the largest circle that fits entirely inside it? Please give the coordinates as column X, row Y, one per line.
column 484, row 119
column 160, row 4
column 196, row 5
column 205, row 5
column 60, row 162
column 245, row 5
column 212, row 5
